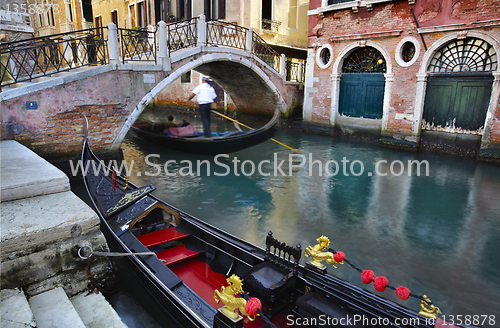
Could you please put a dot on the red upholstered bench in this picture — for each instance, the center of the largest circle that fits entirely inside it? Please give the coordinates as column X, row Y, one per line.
column 160, row 237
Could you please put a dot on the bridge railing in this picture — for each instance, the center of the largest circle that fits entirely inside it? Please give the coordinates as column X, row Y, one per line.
column 183, row 34
column 220, row 33
column 25, row 60
column 267, row 54
column 138, row 44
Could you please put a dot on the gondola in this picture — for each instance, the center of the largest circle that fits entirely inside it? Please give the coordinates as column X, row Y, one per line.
column 197, row 143
column 191, row 269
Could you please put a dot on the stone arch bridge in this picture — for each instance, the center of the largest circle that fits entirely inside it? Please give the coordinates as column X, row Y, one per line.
column 111, row 76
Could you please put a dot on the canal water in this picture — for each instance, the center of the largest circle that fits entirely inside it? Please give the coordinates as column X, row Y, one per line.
column 434, row 230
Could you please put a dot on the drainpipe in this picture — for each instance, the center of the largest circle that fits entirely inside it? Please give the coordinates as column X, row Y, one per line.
column 416, row 23
column 202, row 31
column 114, row 54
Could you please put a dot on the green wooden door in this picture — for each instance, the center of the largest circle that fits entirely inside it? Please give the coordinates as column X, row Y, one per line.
column 460, row 101
column 362, row 95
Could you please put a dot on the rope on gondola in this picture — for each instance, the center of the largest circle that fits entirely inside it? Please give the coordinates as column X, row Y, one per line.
column 96, row 253
column 93, row 286
column 369, row 279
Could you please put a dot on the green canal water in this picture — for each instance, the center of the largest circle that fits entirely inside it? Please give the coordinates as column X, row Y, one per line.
column 436, row 233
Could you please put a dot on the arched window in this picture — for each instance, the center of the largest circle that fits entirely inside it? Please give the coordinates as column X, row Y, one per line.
column 467, row 55
column 364, row 60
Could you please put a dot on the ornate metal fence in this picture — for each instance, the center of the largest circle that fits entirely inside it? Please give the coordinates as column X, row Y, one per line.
column 137, row 44
column 264, row 51
column 25, row 60
column 220, row 33
column 183, row 34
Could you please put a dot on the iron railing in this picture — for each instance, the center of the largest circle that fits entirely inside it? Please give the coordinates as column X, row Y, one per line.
column 26, row 60
column 220, row 33
column 264, row 51
column 183, row 34
column 137, row 44
column 270, row 25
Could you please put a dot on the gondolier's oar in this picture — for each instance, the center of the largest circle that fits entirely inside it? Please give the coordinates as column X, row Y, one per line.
column 233, row 120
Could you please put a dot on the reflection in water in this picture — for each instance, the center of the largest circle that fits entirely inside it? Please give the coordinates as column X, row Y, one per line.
column 436, row 235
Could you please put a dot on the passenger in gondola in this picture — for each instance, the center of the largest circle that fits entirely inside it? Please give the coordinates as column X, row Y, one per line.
column 170, row 124
column 184, row 122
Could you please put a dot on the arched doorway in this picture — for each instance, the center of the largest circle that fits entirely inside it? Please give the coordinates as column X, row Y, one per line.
column 459, row 86
column 362, row 84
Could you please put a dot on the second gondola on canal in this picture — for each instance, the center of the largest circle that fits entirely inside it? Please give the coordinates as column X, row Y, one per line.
column 189, row 141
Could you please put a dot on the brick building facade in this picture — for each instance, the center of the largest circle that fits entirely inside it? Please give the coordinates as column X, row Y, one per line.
column 418, row 73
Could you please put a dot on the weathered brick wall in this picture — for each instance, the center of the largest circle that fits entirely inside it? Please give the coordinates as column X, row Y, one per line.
column 55, row 127
column 61, row 135
column 446, row 12
column 322, row 102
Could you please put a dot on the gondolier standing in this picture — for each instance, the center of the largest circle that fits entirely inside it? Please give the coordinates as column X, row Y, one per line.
column 205, row 96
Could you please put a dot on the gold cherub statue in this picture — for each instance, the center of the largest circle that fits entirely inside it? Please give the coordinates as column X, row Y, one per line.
column 231, row 302
column 428, row 309
column 318, row 255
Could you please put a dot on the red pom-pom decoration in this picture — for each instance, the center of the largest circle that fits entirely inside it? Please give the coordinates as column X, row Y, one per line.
column 367, row 276
column 380, row 283
column 252, row 305
column 339, row 256
column 403, row 293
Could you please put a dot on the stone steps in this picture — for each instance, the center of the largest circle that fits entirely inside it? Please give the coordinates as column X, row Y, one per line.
column 53, row 309
column 43, row 224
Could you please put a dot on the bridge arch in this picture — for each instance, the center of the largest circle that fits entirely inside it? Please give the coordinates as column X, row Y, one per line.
column 243, row 77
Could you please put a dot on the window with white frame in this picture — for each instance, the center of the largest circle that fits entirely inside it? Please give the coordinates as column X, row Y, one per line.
column 407, row 51
column 324, row 56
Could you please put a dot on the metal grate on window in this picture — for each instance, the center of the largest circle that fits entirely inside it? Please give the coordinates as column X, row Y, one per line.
column 364, row 60
column 408, row 51
column 325, row 55
column 467, row 55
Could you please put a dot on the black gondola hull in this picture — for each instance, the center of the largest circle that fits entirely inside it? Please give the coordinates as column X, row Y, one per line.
column 208, row 146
